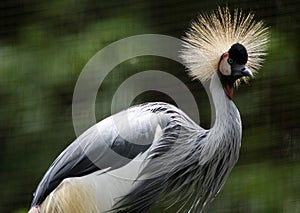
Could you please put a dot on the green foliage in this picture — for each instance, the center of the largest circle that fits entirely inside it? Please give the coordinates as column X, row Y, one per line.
column 20, row 211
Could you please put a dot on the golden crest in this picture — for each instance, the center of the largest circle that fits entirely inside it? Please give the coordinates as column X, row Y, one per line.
column 213, row 34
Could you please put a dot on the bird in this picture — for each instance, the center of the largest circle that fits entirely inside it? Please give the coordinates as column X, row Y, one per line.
column 154, row 151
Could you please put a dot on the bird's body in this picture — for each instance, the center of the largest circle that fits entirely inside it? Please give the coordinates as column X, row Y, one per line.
column 163, row 133
column 130, row 160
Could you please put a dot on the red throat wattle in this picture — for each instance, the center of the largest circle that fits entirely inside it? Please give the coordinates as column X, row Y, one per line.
column 229, row 92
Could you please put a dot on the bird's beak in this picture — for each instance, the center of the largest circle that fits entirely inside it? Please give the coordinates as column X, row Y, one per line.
column 240, row 70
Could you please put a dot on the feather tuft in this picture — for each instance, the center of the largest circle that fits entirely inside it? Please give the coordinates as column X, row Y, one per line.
column 213, row 34
column 71, row 196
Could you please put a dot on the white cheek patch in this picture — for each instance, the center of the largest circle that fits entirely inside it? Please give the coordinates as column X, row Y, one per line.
column 225, row 68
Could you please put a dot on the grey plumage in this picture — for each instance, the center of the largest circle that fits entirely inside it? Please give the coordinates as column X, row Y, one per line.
column 185, row 158
column 196, row 161
column 185, row 162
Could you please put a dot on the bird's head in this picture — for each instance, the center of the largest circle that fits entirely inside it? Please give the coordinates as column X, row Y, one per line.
column 230, row 44
column 232, row 67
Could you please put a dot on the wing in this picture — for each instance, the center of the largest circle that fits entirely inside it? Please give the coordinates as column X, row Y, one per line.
column 112, row 143
column 173, row 168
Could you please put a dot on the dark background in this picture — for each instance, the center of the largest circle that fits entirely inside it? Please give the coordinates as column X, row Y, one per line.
column 45, row 44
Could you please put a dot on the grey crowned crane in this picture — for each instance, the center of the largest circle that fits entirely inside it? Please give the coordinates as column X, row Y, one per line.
column 153, row 151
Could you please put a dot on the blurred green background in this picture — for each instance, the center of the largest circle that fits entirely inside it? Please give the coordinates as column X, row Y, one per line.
column 45, row 44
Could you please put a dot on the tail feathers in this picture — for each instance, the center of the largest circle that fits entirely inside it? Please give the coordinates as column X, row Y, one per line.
column 71, row 196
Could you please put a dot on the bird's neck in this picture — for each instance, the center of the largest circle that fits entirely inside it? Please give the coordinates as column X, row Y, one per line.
column 226, row 115
column 224, row 137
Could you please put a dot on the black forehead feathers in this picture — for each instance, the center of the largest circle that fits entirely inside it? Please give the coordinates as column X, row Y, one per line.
column 238, row 53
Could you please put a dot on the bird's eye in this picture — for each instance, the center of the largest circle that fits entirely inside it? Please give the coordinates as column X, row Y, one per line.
column 229, row 60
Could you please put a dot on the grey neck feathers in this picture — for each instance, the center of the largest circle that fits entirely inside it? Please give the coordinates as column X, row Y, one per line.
column 227, row 118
